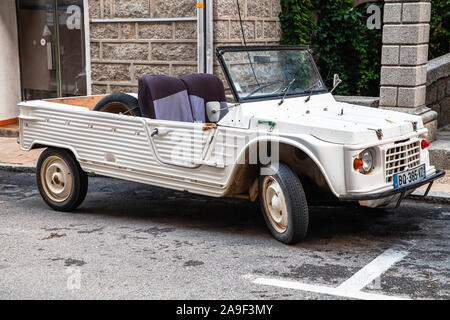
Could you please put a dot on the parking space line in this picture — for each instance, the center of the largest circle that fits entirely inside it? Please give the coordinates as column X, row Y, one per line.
column 323, row 289
column 373, row 270
column 352, row 287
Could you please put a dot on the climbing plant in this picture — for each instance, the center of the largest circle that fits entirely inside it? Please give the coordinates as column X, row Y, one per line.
column 439, row 28
column 340, row 40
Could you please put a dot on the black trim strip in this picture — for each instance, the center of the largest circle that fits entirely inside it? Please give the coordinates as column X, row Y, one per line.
column 384, row 194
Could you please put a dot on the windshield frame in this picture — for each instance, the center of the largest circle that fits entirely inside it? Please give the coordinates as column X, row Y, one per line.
column 220, row 55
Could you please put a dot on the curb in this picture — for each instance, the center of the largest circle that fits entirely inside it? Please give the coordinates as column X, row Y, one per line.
column 17, row 168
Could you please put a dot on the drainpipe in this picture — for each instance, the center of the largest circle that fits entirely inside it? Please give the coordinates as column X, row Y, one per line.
column 205, row 36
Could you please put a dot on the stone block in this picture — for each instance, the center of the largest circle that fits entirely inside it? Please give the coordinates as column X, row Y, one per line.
column 432, row 130
column 226, row 8
column 186, row 30
column 389, row 55
column 272, row 30
column 411, row 97
column 172, row 9
column 94, row 9
column 416, row 12
column 104, row 31
column 110, row 72
column 236, row 31
column 153, row 30
column 174, row 51
column 276, row 8
column 131, row 8
column 99, row 89
column 179, row 70
column 95, row 50
column 441, row 88
column 127, row 31
column 414, row 55
column 392, row 13
column 221, row 30
column 403, row 76
column 431, row 94
column 388, row 96
column 125, row 51
column 124, row 89
column 444, row 112
column 406, row 34
column 145, row 70
column 259, row 9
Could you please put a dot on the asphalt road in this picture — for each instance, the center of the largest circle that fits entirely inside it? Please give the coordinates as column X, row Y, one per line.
column 132, row 241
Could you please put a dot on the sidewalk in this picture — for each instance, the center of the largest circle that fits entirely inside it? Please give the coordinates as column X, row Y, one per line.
column 14, row 159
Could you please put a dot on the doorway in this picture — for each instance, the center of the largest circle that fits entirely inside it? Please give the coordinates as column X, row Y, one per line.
column 52, row 48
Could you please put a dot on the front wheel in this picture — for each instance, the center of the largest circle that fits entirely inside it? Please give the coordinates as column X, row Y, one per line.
column 284, row 205
column 61, row 181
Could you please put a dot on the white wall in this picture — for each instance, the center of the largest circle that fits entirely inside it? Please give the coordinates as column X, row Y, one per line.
column 9, row 61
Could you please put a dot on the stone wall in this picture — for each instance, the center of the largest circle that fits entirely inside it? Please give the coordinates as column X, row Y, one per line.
column 438, row 88
column 121, row 52
column 260, row 22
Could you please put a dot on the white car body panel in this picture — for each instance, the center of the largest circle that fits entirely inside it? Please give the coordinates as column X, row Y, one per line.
column 184, row 157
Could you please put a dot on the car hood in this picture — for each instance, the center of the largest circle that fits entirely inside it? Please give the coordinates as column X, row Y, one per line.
column 326, row 119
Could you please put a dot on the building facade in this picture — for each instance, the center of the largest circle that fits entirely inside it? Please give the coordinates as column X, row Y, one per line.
column 56, row 48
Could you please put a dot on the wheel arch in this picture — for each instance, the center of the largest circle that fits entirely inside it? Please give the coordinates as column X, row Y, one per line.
column 241, row 181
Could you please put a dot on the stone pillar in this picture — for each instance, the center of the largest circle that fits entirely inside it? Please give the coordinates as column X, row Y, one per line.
column 404, row 59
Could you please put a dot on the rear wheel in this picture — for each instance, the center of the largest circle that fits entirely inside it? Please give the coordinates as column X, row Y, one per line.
column 284, row 205
column 119, row 103
column 61, row 181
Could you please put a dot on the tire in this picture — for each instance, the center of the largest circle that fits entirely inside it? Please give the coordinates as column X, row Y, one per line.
column 119, row 103
column 61, row 182
column 288, row 219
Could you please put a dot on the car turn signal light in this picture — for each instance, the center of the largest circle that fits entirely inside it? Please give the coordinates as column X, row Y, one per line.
column 425, row 144
column 358, row 163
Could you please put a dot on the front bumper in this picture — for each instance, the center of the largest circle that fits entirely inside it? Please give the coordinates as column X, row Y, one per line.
column 390, row 193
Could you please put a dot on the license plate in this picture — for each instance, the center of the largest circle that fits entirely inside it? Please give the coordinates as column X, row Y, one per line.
column 409, row 177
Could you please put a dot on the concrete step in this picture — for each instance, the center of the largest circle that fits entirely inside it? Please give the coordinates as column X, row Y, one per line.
column 440, row 149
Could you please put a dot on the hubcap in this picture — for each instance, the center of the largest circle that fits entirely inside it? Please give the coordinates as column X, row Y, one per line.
column 275, row 204
column 56, row 179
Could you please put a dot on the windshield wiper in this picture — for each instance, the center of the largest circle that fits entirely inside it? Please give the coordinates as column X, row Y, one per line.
column 285, row 90
column 310, row 90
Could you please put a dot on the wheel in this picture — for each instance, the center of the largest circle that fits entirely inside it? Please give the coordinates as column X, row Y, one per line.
column 61, row 181
column 119, row 103
column 284, row 206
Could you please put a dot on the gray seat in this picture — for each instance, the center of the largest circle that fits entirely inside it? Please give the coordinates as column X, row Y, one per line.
column 164, row 98
column 203, row 88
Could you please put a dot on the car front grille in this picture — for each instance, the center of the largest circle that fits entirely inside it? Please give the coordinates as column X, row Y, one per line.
column 401, row 158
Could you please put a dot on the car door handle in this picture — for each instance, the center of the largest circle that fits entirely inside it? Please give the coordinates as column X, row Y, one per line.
column 155, row 132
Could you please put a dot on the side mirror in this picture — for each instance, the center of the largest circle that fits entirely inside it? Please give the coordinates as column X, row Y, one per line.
column 336, row 81
column 213, row 111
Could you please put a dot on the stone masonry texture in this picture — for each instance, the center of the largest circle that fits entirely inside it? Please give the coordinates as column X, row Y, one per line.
column 404, row 54
column 121, row 52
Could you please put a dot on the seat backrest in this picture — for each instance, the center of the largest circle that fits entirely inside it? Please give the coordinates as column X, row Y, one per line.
column 164, row 98
column 203, row 88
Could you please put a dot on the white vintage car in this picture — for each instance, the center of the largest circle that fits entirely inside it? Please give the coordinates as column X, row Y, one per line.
column 283, row 138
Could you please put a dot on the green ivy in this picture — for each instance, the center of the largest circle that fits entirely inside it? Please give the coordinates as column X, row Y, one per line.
column 439, row 28
column 343, row 44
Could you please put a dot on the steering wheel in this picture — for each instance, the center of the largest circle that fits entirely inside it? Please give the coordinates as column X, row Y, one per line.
column 263, row 87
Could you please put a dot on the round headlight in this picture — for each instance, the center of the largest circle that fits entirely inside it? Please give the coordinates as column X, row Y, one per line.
column 368, row 159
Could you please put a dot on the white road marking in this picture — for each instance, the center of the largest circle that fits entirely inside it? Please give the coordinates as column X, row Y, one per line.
column 324, row 290
column 373, row 270
column 352, row 287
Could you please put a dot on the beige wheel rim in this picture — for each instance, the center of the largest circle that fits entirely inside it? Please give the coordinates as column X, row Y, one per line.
column 56, row 179
column 275, row 204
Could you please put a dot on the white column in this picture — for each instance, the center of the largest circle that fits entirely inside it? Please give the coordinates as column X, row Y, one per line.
column 9, row 61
